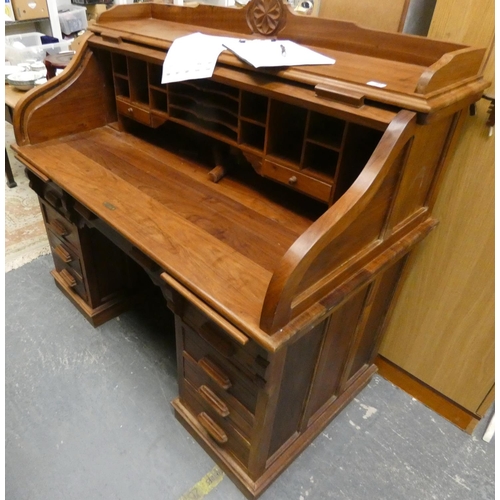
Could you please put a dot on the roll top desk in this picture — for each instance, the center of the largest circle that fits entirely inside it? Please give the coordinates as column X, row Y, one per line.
column 275, row 208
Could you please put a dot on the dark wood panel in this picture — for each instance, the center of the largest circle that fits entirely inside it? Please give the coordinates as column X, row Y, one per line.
column 298, row 372
column 332, row 360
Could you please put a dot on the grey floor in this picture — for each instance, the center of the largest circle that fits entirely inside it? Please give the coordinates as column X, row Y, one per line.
column 88, row 416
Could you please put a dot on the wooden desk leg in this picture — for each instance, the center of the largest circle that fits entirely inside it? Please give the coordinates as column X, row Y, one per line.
column 8, row 172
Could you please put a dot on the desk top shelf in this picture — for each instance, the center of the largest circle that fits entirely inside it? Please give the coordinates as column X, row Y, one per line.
column 411, row 68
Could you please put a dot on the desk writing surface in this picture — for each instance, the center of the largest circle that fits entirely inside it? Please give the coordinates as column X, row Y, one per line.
column 221, row 242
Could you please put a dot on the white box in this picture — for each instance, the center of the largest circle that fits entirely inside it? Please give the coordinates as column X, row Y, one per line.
column 28, row 47
column 72, row 18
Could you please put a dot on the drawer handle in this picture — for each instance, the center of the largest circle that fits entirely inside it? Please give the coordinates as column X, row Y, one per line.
column 59, row 228
column 293, row 180
column 63, row 254
column 215, row 373
column 212, row 428
column 67, row 278
column 130, row 111
column 214, row 338
column 213, row 400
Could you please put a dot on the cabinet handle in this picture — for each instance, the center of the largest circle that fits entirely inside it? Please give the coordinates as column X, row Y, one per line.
column 67, row 278
column 231, row 330
column 212, row 428
column 130, row 111
column 292, row 180
column 213, row 400
column 215, row 373
column 59, row 228
column 63, row 254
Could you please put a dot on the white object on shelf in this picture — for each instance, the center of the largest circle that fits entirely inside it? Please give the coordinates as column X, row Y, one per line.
column 27, row 47
column 72, row 18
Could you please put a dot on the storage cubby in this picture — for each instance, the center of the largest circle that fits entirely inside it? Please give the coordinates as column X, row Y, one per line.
column 252, row 134
column 359, row 144
column 325, row 130
column 121, row 86
column 287, row 124
column 154, row 73
column 120, row 64
column 137, row 71
column 254, row 107
column 320, row 161
column 158, row 100
column 205, row 105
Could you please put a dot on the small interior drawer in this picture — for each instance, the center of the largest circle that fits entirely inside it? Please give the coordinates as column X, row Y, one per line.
column 296, row 180
column 133, row 111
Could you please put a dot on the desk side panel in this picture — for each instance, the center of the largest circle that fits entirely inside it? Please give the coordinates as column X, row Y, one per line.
column 79, row 99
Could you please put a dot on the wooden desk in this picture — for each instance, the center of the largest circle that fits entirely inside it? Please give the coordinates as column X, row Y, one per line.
column 281, row 274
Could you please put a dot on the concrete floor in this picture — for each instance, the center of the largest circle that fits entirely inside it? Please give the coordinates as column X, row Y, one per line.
column 88, row 416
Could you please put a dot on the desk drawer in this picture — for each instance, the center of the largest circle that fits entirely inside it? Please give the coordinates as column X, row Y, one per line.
column 217, row 428
column 297, row 180
column 223, row 372
column 133, row 111
column 236, row 413
column 73, row 281
column 63, row 255
column 62, row 228
column 250, row 358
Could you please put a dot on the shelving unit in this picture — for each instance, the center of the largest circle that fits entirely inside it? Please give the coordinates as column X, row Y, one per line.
column 48, row 25
column 292, row 145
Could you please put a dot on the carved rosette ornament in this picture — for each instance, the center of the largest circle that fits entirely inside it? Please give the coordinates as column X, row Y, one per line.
column 267, row 17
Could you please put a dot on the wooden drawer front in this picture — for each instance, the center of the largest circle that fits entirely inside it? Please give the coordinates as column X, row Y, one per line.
column 62, row 228
column 73, row 281
column 217, row 428
column 133, row 111
column 237, row 414
column 225, row 374
column 63, row 254
column 250, row 358
column 297, row 180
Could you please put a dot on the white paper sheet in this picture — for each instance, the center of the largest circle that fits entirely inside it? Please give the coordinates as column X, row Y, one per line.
column 272, row 53
column 194, row 56
column 191, row 57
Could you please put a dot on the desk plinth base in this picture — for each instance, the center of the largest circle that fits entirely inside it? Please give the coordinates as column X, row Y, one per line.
column 98, row 315
column 253, row 489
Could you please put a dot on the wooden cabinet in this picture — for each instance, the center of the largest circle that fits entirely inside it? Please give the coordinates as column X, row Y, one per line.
column 280, row 275
column 439, row 344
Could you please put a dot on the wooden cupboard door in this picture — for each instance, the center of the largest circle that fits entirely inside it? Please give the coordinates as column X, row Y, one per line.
column 385, row 15
column 442, row 327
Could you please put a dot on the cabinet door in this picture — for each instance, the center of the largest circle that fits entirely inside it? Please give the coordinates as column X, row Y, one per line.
column 442, row 327
column 385, row 15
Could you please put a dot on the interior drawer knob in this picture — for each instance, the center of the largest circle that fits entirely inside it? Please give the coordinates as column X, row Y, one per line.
column 292, row 180
column 212, row 428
